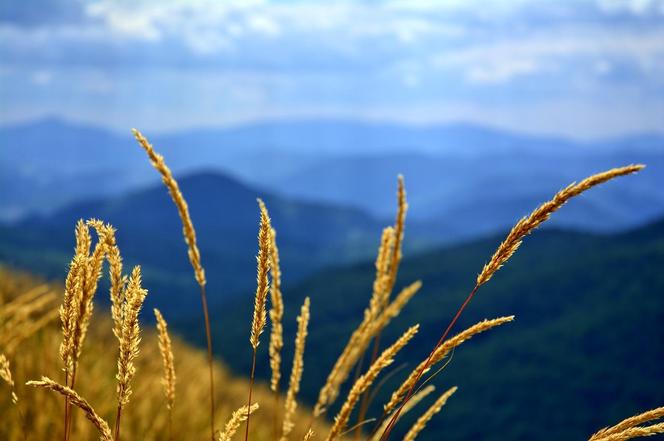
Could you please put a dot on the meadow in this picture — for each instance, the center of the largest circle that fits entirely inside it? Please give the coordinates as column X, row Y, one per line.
column 130, row 382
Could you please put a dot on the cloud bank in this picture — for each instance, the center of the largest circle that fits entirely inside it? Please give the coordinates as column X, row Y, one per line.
column 577, row 68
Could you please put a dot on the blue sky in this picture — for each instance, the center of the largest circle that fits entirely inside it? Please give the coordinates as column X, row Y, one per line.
column 584, row 69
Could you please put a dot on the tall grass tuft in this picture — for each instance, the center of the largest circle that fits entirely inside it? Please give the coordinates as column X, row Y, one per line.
column 260, row 299
column 189, row 234
column 506, row 249
column 296, row 372
column 166, row 349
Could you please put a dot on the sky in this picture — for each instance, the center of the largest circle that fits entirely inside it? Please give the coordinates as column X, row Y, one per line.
column 584, row 69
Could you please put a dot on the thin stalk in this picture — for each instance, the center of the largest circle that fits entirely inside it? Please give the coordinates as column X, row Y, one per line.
column 116, row 433
column 277, row 405
column 208, row 335
column 364, row 404
column 68, row 409
column 170, row 424
column 64, row 427
column 426, row 365
column 251, row 387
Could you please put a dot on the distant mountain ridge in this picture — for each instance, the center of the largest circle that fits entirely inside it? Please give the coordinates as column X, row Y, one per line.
column 463, row 180
column 226, row 216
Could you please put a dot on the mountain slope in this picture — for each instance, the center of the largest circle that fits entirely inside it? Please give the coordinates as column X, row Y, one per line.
column 225, row 214
column 585, row 349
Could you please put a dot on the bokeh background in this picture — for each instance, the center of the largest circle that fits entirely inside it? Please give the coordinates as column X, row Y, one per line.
column 486, row 108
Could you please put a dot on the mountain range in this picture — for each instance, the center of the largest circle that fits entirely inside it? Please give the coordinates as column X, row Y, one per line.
column 226, row 216
column 463, row 180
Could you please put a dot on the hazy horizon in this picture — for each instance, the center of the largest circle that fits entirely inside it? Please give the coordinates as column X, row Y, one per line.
column 582, row 69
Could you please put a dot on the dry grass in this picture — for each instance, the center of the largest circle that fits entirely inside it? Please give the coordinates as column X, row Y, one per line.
column 629, row 427
column 145, row 418
column 422, row 421
column 296, row 371
column 27, row 310
column 166, row 349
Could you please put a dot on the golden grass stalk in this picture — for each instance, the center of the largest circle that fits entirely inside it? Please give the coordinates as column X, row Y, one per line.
column 440, row 353
column 635, row 432
column 362, row 383
column 10, row 308
column 509, row 246
column 189, row 234
column 168, row 380
column 357, row 345
column 380, row 296
column 422, row 421
column 296, row 372
column 107, row 233
column 627, row 428
column 542, row 213
column 129, row 342
column 19, row 314
column 74, row 398
column 387, row 265
column 308, row 435
column 235, row 420
column 399, row 228
column 171, row 184
column 276, row 330
column 388, row 276
column 276, row 314
column 262, row 283
column 29, row 329
column 414, row 401
column 6, row 375
column 260, row 299
column 76, row 311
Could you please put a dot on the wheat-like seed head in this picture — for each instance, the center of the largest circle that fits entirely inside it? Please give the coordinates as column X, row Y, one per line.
column 414, row 401
column 357, row 344
column 107, row 233
column 5, row 372
column 235, row 420
column 362, row 383
column 6, row 375
column 183, row 209
column 166, row 349
column 80, row 288
column 527, row 224
column 608, row 433
column 91, row 273
column 262, row 284
column 380, row 296
column 90, row 414
column 296, row 372
column 439, row 354
column 130, row 340
column 634, row 432
column 399, row 228
column 276, row 314
column 426, row 417
column 308, row 435
column 69, row 311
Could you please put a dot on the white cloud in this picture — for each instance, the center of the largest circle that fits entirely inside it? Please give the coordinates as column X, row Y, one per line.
column 241, row 59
